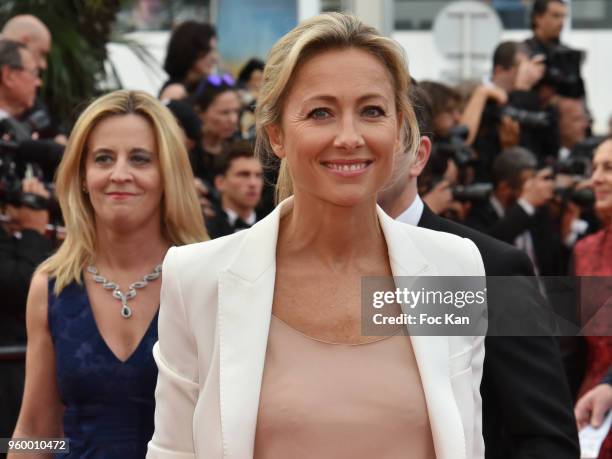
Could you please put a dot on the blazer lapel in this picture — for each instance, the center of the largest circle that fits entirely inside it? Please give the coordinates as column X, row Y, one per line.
column 431, row 352
column 246, row 292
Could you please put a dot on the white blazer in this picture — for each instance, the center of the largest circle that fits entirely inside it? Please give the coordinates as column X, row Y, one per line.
column 216, row 302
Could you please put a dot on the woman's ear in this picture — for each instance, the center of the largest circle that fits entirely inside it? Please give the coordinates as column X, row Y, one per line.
column 275, row 135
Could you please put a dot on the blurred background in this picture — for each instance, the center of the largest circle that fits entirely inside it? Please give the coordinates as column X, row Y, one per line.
column 122, row 43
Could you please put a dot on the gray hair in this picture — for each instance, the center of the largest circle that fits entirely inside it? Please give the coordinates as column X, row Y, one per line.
column 9, row 53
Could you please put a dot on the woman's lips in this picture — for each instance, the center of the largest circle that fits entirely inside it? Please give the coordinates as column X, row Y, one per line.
column 120, row 195
column 347, row 168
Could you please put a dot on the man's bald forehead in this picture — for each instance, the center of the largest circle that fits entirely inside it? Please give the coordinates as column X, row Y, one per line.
column 25, row 24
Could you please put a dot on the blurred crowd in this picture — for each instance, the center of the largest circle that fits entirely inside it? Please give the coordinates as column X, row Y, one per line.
column 512, row 155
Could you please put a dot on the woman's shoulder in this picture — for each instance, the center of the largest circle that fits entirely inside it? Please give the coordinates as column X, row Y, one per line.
column 204, row 259
column 449, row 252
column 173, row 89
column 589, row 243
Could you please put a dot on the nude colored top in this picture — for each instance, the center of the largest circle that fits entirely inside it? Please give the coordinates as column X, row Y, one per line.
column 325, row 400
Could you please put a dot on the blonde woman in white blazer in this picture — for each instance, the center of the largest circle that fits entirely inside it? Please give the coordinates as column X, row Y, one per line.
column 260, row 350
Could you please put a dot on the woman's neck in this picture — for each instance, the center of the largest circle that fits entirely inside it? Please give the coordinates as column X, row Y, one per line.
column 127, row 251
column 193, row 77
column 212, row 143
column 336, row 235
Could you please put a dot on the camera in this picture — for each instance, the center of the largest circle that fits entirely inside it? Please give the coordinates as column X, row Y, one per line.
column 579, row 166
column 454, row 147
column 584, row 198
column 563, row 71
column 473, row 192
column 578, row 163
column 525, row 117
column 11, row 174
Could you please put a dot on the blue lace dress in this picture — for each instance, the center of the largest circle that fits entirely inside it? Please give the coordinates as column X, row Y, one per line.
column 109, row 404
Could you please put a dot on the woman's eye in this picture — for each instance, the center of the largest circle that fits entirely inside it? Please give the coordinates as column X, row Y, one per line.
column 141, row 159
column 319, row 114
column 373, row 112
column 103, row 159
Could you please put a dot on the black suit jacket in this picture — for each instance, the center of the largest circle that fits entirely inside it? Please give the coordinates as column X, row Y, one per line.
column 527, row 408
column 18, row 260
column 219, row 225
column 551, row 257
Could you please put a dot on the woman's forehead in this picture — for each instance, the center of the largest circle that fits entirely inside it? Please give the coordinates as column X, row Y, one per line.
column 340, row 70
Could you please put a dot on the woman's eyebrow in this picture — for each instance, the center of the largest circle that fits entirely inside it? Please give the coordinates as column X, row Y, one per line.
column 331, row 99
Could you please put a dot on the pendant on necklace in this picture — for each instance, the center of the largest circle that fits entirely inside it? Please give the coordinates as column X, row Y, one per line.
column 126, row 312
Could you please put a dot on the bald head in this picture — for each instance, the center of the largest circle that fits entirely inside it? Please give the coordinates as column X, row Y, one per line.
column 30, row 31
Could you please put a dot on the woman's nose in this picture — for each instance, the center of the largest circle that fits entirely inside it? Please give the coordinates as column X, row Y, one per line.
column 121, row 171
column 349, row 136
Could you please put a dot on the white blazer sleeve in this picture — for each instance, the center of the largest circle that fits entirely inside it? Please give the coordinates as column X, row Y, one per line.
column 177, row 383
column 477, row 365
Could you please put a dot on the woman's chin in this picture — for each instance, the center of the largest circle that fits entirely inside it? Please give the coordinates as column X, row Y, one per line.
column 121, row 222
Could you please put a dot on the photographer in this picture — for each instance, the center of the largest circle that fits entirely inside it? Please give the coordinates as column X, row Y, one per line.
column 36, row 37
column 547, row 18
column 573, row 125
column 22, row 248
column 562, row 76
column 19, row 80
column 445, row 107
column 449, row 136
column 517, row 119
column 517, row 210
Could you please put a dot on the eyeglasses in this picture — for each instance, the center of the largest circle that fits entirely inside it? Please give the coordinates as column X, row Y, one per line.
column 216, row 81
column 34, row 72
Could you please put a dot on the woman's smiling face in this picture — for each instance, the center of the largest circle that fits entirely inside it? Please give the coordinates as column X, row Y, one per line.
column 339, row 128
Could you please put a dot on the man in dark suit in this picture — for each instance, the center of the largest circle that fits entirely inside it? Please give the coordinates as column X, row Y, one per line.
column 517, row 210
column 239, row 181
column 19, row 257
column 527, row 408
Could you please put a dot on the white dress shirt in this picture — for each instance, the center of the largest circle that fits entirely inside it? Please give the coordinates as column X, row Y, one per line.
column 412, row 215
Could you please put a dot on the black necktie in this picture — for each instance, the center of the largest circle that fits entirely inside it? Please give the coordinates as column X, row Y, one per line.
column 240, row 224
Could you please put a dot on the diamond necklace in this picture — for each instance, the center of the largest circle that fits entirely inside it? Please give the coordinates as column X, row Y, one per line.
column 126, row 311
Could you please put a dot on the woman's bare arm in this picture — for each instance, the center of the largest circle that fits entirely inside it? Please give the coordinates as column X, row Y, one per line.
column 41, row 408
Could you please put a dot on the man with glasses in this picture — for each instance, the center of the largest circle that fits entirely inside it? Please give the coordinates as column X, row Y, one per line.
column 31, row 32
column 23, row 250
column 19, row 80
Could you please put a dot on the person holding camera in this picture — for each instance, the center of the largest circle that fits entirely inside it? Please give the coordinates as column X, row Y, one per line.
column 19, row 80
column 23, row 246
column 497, row 114
column 547, row 19
column 562, row 77
column 36, row 37
column 573, row 125
column 517, row 212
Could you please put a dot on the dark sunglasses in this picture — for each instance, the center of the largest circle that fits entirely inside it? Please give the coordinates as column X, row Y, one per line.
column 216, row 81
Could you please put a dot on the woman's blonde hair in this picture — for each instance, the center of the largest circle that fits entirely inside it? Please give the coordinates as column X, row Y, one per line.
column 182, row 221
column 318, row 34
